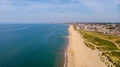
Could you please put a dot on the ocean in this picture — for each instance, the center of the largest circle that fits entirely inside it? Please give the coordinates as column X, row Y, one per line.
column 32, row 45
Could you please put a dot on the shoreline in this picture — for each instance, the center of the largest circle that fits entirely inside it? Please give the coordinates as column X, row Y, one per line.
column 79, row 55
column 65, row 57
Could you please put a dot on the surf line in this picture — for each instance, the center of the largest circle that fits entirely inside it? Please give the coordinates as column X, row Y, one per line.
column 65, row 60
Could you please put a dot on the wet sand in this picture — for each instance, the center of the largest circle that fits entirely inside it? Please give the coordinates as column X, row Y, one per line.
column 78, row 55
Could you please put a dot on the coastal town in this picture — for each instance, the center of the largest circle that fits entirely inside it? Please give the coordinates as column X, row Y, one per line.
column 109, row 29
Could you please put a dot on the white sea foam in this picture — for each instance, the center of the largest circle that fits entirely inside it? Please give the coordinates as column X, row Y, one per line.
column 65, row 60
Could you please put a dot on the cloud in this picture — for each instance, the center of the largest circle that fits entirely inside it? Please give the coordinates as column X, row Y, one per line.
column 101, row 7
column 59, row 10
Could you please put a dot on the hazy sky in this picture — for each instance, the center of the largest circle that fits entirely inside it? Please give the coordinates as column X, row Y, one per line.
column 21, row 11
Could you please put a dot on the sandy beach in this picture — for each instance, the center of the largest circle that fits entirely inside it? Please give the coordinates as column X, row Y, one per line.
column 78, row 55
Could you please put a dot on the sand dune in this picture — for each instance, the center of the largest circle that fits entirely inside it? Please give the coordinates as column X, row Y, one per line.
column 78, row 55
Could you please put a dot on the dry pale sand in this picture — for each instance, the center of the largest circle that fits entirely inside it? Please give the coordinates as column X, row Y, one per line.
column 78, row 55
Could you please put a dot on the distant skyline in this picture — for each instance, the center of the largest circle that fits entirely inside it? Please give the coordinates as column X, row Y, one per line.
column 40, row 11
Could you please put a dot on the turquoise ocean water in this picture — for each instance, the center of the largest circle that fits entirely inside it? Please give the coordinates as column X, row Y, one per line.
column 32, row 45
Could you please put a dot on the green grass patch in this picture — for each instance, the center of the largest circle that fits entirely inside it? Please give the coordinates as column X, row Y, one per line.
column 100, row 42
column 115, row 58
column 117, row 54
column 103, row 49
column 103, row 45
column 118, row 42
column 101, row 35
column 90, row 46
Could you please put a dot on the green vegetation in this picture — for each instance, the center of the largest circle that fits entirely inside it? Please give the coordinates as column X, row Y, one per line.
column 104, row 43
column 118, row 42
column 115, row 58
column 90, row 45
column 101, row 35
column 101, row 44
